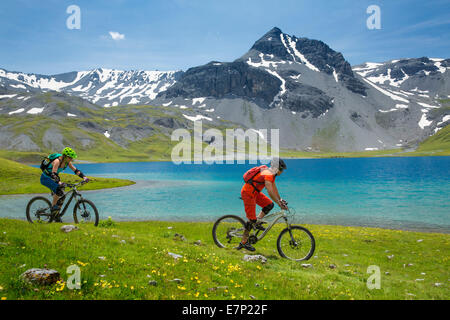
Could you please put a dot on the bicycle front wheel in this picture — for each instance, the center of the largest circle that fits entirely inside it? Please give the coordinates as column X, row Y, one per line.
column 228, row 230
column 296, row 243
column 85, row 212
column 38, row 210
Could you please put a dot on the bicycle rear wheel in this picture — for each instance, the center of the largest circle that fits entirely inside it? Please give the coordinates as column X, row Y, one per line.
column 228, row 230
column 296, row 244
column 39, row 210
column 85, row 212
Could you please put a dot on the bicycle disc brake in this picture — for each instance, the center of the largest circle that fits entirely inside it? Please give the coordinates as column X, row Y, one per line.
column 86, row 214
column 294, row 244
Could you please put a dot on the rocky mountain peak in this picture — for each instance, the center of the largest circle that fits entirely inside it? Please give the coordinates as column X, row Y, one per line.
column 271, row 44
column 314, row 54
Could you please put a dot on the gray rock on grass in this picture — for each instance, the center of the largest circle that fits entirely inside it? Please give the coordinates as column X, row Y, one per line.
column 218, row 288
column 41, row 276
column 176, row 280
column 179, row 237
column 175, row 256
column 256, row 257
column 68, row 228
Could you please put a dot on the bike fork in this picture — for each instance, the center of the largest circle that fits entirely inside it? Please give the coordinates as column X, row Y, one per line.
column 290, row 231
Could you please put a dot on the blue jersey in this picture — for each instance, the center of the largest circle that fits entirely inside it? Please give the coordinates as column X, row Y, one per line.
column 60, row 169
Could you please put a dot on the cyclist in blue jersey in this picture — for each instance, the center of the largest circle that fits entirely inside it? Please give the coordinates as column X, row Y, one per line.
column 50, row 176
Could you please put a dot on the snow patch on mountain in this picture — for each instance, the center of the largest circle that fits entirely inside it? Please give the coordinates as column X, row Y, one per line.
column 197, row 117
column 282, row 91
column 7, row 96
column 426, row 105
column 335, row 75
column 387, row 93
column 35, row 110
column 17, row 111
column 367, row 68
column 295, row 53
column 198, row 100
column 423, row 120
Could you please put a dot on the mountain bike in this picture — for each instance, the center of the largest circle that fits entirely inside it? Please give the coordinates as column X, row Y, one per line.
column 84, row 211
column 294, row 242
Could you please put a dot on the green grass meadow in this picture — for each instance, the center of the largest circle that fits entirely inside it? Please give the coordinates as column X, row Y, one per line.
column 120, row 261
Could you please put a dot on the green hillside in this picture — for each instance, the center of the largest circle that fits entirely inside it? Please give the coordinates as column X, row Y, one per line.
column 143, row 133
column 140, row 133
column 440, row 142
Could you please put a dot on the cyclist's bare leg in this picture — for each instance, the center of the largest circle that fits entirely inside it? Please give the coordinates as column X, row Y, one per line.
column 55, row 200
column 261, row 215
column 245, row 236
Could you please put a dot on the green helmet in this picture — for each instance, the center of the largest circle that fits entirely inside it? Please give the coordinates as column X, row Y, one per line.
column 69, row 152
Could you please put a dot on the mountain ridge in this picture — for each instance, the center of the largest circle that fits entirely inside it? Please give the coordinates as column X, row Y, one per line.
column 298, row 85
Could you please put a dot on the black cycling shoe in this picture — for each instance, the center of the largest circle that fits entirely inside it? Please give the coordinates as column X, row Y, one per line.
column 258, row 225
column 247, row 246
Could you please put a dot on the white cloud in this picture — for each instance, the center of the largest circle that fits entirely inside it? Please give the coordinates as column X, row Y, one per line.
column 116, row 35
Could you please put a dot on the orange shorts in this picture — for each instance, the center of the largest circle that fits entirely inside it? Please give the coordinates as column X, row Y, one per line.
column 251, row 199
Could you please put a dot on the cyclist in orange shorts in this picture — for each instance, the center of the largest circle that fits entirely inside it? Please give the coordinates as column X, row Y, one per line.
column 255, row 180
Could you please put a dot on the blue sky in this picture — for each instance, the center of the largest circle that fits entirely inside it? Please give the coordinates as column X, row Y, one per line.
column 178, row 34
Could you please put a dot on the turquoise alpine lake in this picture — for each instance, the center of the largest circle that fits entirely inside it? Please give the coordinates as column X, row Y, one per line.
column 410, row 193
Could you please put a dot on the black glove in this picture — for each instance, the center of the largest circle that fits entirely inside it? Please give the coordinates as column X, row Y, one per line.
column 54, row 176
column 283, row 204
column 79, row 173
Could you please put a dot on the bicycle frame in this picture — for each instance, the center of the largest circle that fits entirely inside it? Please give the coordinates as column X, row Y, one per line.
column 278, row 216
column 74, row 193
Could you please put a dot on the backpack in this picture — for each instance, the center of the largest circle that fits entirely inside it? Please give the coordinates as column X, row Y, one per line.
column 253, row 172
column 48, row 160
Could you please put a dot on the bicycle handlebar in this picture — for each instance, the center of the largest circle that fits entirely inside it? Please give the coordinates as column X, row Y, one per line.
column 72, row 185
